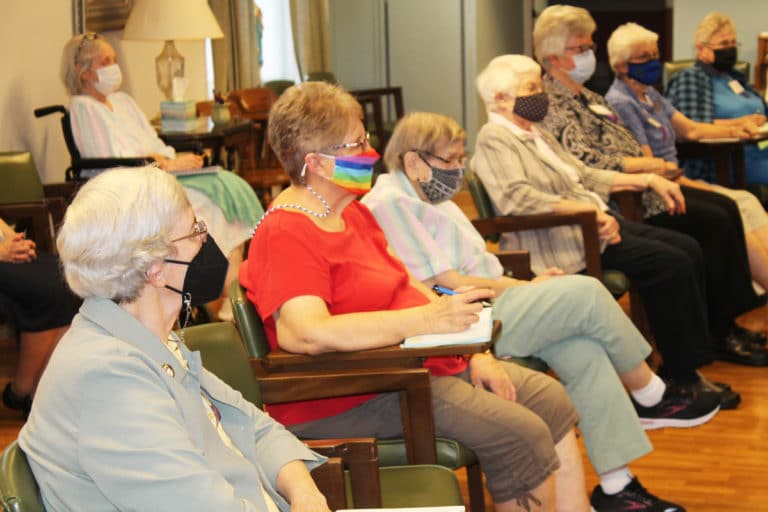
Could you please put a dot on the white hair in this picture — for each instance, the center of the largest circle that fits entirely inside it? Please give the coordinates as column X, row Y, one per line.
column 712, row 23
column 502, row 75
column 78, row 56
column 555, row 25
column 117, row 226
column 624, row 39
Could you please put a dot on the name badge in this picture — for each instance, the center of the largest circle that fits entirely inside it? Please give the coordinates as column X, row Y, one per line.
column 653, row 122
column 736, row 87
column 600, row 110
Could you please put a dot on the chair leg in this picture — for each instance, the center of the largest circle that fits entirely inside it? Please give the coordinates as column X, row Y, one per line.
column 476, row 488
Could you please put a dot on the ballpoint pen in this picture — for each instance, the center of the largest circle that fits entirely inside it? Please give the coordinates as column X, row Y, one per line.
column 441, row 290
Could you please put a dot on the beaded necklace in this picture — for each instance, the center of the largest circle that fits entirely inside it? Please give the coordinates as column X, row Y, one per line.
column 298, row 207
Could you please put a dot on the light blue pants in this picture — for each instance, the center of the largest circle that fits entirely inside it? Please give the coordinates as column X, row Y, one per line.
column 576, row 326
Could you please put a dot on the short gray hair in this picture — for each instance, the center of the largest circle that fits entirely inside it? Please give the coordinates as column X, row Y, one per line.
column 117, row 226
column 624, row 39
column 77, row 56
column 712, row 23
column 555, row 25
column 502, row 74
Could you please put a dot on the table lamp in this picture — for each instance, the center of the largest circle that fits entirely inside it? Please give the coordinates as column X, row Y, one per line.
column 169, row 20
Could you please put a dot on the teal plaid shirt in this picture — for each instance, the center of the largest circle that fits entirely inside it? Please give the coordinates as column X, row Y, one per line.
column 690, row 91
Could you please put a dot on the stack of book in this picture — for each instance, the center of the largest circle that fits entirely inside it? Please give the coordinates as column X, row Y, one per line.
column 178, row 116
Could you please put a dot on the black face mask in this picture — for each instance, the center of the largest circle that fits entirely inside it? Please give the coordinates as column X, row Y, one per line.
column 205, row 276
column 725, row 59
column 532, row 107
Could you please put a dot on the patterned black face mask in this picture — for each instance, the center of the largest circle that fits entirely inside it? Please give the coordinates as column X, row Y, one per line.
column 532, row 107
column 443, row 184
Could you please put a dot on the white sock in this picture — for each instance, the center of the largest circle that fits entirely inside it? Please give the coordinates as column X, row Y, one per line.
column 651, row 394
column 614, row 481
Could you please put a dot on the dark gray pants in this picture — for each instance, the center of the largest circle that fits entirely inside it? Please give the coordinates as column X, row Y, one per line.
column 514, row 441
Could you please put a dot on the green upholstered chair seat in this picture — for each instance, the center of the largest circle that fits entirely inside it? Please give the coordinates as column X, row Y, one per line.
column 450, row 453
column 616, row 282
column 415, row 486
column 419, row 486
column 18, row 488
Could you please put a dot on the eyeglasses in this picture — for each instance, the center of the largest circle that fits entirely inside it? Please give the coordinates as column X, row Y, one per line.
column 198, row 229
column 87, row 37
column 645, row 57
column 362, row 144
column 731, row 43
column 461, row 160
column 581, row 48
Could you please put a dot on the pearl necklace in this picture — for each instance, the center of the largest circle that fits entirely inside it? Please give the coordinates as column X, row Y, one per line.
column 298, row 207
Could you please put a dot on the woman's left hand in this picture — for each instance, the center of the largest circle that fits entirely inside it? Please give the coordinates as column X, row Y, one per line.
column 296, row 485
column 485, row 372
column 754, row 119
column 550, row 272
column 309, row 502
column 670, row 193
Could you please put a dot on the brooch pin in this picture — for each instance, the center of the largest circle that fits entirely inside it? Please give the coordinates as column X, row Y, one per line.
column 169, row 370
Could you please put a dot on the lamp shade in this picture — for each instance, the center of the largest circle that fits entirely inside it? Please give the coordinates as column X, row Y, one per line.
column 179, row 20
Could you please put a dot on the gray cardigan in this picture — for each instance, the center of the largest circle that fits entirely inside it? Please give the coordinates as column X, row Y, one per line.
column 521, row 180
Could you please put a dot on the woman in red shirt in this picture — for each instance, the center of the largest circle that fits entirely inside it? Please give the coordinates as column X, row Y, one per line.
column 323, row 279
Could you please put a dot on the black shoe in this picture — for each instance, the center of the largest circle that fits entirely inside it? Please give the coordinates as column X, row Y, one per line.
column 729, row 399
column 739, row 349
column 634, row 497
column 719, row 386
column 16, row 402
column 680, row 407
column 755, row 337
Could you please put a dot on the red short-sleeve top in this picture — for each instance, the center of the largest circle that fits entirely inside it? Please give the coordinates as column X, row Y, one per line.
column 351, row 270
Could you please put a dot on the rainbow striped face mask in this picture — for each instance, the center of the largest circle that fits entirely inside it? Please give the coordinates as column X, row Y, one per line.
column 354, row 172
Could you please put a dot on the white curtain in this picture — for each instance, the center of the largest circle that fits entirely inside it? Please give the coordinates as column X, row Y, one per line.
column 310, row 26
column 236, row 57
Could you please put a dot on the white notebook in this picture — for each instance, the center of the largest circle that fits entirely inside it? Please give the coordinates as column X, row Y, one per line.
column 479, row 332
column 454, row 508
column 211, row 169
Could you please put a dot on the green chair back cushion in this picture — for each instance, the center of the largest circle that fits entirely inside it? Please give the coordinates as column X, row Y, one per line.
column 18, row 489
column 223, row 354
column 248, row 322
column 19, row 177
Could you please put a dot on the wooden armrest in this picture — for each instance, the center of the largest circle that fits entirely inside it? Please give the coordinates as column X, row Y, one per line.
column 38, row 212
column 359, row 457
column 630, row 204
column 413, row 384
column 64, row 189
column 518, row 262
column 722, row 152
column 329, row 478
column 376, row 358
column 587, row 221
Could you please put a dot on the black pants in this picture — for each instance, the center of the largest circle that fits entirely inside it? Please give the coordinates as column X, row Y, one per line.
column 713, row 220
column 36, row 295
column 669, row 270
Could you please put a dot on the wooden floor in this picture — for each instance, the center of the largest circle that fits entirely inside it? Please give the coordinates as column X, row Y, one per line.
column 721, row 466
